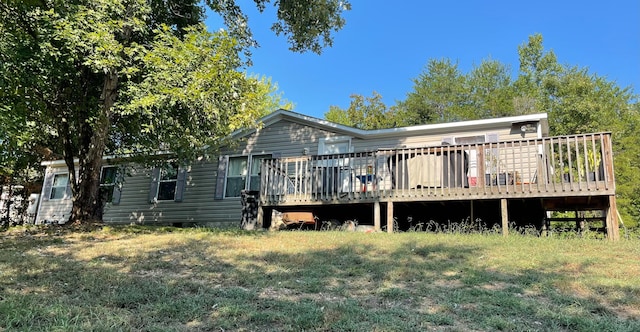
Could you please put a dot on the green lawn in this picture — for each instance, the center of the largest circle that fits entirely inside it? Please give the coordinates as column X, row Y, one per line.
column 144, row 279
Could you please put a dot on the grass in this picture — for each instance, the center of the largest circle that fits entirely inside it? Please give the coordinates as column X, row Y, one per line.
column 165, row 279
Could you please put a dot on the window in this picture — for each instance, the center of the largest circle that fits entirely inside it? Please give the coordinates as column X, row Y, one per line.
column 242, row 175
column 334, row 145
column 236, row 176
column 108, row 182
column 472, row 170
column 59, row 186
column 470, row 139
column 475, row 139
column 167, row 182
column 256, row 163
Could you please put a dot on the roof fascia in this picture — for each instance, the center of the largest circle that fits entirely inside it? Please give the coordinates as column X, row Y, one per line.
column 62, row 162
column 457, row 126
column 402, row 131
column 306, row 120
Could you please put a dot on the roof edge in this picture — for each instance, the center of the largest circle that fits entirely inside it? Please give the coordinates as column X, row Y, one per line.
column 361, row 133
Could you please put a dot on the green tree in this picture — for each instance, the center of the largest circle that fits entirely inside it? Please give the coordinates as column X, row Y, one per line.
column 490, row 91
column 111, row 76
column 536, row 67
column 364, row 113
column 580, row 102
column 18, row 162
column 438, row 94
column 625, row 128
column 442, row 93
column 307, row 24
column 539, row 70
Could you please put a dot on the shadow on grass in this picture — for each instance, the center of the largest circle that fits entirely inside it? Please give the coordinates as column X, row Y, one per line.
column 213, row 284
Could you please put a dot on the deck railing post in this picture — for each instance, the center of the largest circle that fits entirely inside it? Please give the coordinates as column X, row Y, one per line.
column 608, row 158
column 577, row 162
column 586, row 166
column 596, row 166
column 263, row 183
column 480, row 163
column 552, row 160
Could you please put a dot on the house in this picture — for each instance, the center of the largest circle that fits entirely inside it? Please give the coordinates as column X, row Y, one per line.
column 17, row 204
column 504, row 169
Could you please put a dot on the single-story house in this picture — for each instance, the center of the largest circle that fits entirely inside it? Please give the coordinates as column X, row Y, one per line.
column 295, row 162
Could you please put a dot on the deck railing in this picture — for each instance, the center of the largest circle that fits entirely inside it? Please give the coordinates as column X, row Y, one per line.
column 552, row 166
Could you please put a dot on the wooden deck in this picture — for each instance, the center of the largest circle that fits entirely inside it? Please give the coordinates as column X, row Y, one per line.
column 552, row 167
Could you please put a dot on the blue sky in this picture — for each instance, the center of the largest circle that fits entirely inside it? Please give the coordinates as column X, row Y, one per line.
column 386, row 44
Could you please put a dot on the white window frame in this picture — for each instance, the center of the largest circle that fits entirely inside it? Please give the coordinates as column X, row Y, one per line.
column 111, row 185
column 247, row 174
column 174, row 180
column 53, row 186
column 473, row 159
column 255, row 158
column 454, row 139
column 323, row 142
column 227, row 175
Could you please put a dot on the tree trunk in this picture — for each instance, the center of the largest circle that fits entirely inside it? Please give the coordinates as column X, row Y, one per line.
column 87, row 201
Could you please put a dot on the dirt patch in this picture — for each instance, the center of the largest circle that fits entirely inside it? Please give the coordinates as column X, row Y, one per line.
column 293, row 295
column 448, row 283
column 497, row 286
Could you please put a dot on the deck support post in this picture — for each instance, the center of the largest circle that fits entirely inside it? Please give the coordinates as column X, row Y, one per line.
column 472, row 221
column 376, row 216
column 260, row 218
column 504, row 211
column 389, row 217
column 613, row 233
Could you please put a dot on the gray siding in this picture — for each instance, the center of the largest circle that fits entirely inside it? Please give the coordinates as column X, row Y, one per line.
column 198, row 204
column 285, row 137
